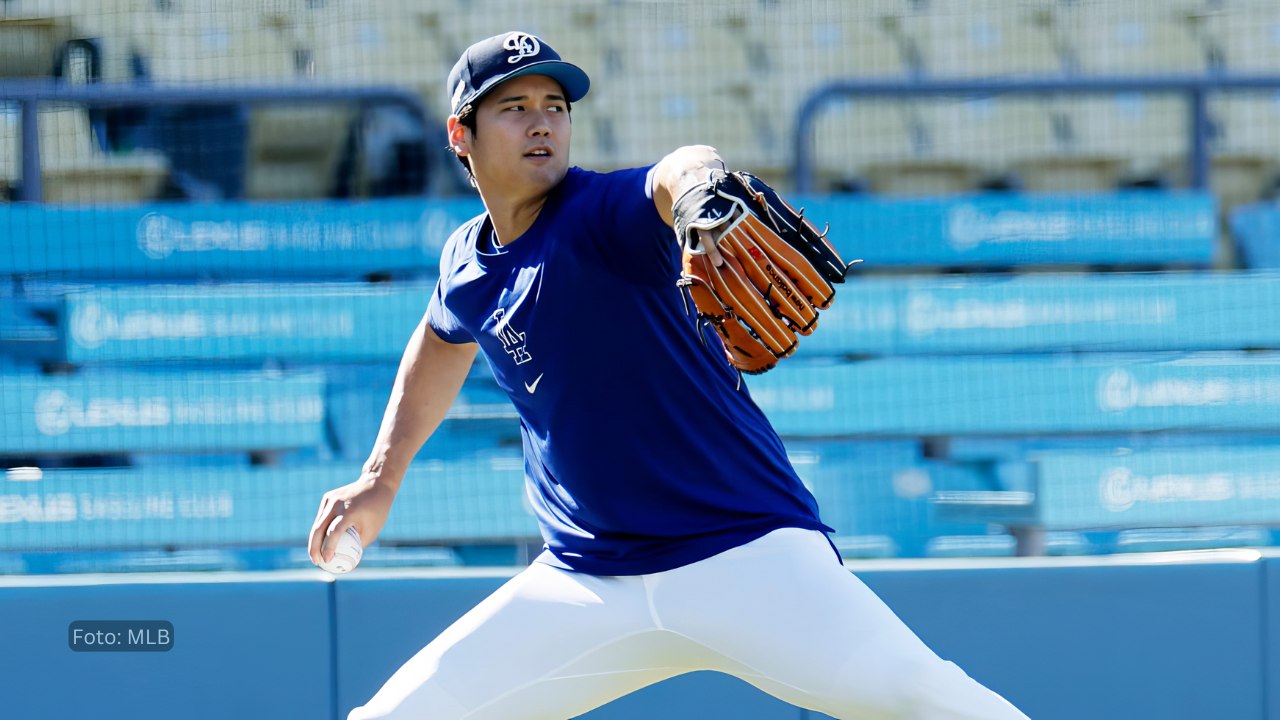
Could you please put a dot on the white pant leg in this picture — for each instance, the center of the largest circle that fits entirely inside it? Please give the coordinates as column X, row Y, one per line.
column 788, row 617
column 548, row 645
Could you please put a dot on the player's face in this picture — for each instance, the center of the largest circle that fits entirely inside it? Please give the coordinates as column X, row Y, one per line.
column 521, row 142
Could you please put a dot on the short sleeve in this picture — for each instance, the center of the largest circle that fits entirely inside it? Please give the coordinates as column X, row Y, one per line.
column 439, row 317
column 631, row 238
column 443, row 322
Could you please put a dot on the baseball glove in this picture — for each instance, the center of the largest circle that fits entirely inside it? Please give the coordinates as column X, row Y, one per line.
column 777, row 274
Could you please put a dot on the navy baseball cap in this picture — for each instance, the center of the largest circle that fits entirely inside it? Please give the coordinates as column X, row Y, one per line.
column 486, row 64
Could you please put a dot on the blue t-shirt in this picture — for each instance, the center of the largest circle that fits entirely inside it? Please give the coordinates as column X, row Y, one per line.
column 643, row 450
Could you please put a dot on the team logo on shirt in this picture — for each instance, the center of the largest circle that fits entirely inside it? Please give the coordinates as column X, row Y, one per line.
column 512, row 341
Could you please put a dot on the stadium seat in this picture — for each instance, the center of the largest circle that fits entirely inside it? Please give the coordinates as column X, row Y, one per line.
column 792, row 51
column 880, row 506
column 250, row 322
column 989, row 132
column 1158, row 499
column 481, row 418
column 1068, row 173
column 1245, row 144
column 684, row 111
column 111, row 25
column 976, row 314
column 662, row 104
column 1011, row 450
column 74, row 169
column 402, row 44
column 29, row 44
column 235, row 42
column 293, row 152
column 478, row 497
column 922, row 177
column 671, row 38
column 970, row 39
column 852, row 133
column 23, row 332
column 800, row 50
column 1247, row 123
column 101, row 411
column 1244, row 35
column 1027, row 394
column 887, row 147
column 1255, row 229
column 1173, row 539
column 1144, row 131
column 1128, row 38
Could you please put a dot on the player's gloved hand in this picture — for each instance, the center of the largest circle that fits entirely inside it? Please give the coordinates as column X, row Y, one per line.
column 364, row 504
column 774, row 272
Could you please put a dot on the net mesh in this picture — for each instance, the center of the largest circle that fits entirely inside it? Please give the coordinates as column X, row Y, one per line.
column 203, row 298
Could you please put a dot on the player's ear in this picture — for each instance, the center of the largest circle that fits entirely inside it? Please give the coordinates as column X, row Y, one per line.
column 459, row 138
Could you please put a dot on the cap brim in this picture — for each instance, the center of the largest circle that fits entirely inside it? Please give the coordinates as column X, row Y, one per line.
column 571, row 77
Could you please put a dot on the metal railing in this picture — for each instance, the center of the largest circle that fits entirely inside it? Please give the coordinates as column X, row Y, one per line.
column 1196, row 88
column 29, row 94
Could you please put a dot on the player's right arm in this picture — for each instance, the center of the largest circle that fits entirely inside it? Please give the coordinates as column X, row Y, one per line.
column 431, row 374
column 681, row 170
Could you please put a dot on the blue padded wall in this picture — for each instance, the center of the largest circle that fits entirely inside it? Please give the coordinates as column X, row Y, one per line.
column 242, row 648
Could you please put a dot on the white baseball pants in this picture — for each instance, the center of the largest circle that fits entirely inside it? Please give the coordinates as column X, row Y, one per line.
column 781, row 613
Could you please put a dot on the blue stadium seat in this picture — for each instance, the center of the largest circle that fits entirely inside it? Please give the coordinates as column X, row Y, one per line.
column 1256, row 229
column 481, row 417
column 23, row 333
column 442, row 502
column 175, row 410
column 1043, row 312
column 1173, row 498
column 1007, row 394
column 1172, row 539
column 1147, row 229
column 290, row 322
column 972, row 449
column 188, row 241
column 878, row 499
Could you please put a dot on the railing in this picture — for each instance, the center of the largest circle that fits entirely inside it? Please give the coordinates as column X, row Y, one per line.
column 1196, row 88
column 28, row 94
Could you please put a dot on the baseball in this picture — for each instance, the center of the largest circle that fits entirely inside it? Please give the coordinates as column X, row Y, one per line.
column 347, row 555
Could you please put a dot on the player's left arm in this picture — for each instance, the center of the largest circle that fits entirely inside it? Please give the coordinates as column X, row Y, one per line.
column 681, row 170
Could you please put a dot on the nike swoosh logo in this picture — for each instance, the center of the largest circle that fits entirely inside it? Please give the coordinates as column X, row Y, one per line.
column 533, row 387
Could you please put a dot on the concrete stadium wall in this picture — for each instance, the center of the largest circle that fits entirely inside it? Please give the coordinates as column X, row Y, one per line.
column 1181, row 635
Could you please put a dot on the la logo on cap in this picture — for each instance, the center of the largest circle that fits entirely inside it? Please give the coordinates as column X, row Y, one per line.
column 523, row 45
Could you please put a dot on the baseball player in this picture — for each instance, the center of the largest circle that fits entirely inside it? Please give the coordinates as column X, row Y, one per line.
column 678, row 536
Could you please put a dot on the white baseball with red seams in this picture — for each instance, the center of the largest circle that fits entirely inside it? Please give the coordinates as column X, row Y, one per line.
column 348, row 553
